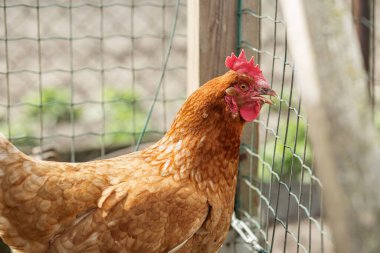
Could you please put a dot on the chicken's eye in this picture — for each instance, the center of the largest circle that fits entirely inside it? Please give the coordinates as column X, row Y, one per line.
column 244, row 86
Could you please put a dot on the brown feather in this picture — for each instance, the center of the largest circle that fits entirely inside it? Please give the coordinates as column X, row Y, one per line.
column 176, row 195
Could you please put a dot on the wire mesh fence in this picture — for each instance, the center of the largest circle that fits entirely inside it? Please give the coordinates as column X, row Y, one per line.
column 281, row 180
column 79, row 75
column 279, row 176
column 76, row 77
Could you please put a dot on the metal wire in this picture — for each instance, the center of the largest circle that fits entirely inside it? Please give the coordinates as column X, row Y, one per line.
column 94, row 5
column 72, row 119
column 284, row 180
column 133, row 74
column 101, row 53
column 94, row 37
column 160, row 82
column 66, row 33
column 41, row 108
column 8, row 103
column 163, row 90
column 290, row 195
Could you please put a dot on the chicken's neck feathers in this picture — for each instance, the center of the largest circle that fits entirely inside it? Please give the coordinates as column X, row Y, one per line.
column 202, row 146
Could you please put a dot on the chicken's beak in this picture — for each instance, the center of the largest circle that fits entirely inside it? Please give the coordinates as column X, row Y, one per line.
column 268, row 92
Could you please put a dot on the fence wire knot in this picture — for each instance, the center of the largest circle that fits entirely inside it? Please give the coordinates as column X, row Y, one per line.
column 246, row 234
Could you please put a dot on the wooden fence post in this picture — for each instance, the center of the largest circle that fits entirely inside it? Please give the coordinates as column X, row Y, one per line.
column 212, row 36
column 330, row 72
column 211, row 28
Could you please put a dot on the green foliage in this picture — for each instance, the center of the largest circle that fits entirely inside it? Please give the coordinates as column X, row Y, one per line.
column 295, row 139
column 55, row 108
column 54, row 105
column 125, row 116
column 292, row 164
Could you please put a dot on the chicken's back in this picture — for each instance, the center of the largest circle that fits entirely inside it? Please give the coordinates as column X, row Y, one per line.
column 121, row 205
column 39, row 200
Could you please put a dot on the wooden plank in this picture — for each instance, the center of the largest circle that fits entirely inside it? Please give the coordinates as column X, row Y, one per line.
column 331, row 73
column 211, row 37
column 192, row 46
column 218, row 36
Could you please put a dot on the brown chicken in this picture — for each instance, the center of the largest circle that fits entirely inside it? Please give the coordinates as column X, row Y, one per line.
column 174, row 196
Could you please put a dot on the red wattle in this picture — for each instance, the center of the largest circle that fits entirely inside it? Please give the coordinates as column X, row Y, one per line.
column 250, row 112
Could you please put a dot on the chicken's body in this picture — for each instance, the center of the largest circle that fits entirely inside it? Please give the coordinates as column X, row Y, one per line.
column 174, row 196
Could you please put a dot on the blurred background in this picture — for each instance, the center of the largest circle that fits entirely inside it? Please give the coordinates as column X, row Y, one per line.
column 81, row 75
column 78, row 80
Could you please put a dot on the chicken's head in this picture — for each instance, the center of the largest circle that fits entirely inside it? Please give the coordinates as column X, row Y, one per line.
column 244, row 96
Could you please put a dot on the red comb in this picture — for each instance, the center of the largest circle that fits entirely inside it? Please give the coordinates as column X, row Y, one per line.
column 241, row 65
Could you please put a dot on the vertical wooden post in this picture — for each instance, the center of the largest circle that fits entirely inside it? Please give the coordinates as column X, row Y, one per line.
column 211, row 29
column 331, row 73
column 193, row 81
column 212, row 36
